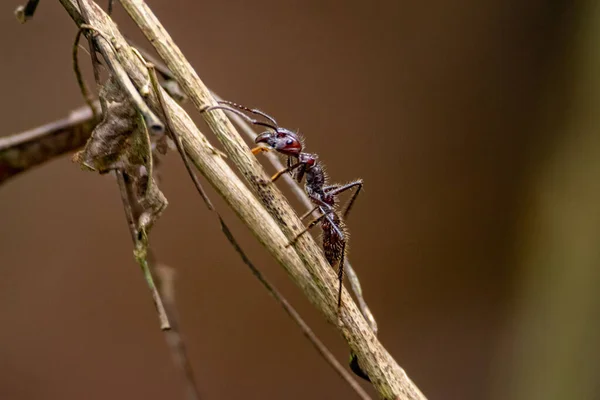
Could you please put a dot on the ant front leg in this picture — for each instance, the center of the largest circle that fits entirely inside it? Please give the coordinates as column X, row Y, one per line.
column 286, row 170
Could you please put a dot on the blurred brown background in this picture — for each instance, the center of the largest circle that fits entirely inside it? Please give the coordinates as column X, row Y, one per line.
column 474, row 126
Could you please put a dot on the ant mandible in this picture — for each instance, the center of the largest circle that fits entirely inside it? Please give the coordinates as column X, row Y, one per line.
column 323, row 196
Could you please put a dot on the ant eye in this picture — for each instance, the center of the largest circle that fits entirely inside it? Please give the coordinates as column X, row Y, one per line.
column 289, row 142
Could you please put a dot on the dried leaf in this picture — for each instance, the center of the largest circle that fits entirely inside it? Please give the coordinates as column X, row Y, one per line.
column 104, row 149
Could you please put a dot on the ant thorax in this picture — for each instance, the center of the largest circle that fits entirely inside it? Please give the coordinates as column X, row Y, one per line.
column 315, row 181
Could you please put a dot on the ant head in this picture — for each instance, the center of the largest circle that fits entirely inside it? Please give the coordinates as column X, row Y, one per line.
column 281, row 140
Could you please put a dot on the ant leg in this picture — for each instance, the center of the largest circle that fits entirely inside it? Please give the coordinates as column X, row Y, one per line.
column 310, row 225
column 343, row 188
column 335, row 226
column 309, row 212
column 329, row 210
column 285, row 170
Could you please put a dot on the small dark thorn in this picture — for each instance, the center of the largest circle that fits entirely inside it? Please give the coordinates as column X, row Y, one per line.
column 157, row 128
column 356, row 368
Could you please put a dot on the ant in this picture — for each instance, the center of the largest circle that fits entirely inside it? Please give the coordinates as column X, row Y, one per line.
column 322, row 195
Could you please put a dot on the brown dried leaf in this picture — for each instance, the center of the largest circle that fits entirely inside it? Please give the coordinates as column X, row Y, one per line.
column 104, row 149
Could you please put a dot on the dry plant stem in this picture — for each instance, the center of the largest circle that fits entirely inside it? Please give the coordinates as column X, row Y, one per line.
column 93, row 55
column 164, row 293
column 301, row 195
column 141, row 246
column 318, row 281
column 26, row 150
column 151, row 120
column 87, row 96
column 176, row 138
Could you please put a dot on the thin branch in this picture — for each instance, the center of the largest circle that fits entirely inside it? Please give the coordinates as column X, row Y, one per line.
column 87, row 95
column 119, row 73
column 166, row 286
column 93, row 54
column 141, row 245
column 174, row 137
column 305, row 263
column 25, row 150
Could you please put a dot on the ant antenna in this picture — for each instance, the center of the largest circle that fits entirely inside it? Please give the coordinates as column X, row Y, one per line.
column 250, row 110
column 241, row 114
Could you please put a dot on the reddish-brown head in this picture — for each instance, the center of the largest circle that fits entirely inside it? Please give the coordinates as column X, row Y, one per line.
column 282, row 140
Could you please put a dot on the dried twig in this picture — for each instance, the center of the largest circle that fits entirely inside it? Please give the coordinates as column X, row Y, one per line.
column 166, row 286
column 305, row 263
column 132, row 213
column 176, row 139
column 87, row 95
column 26, row 150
